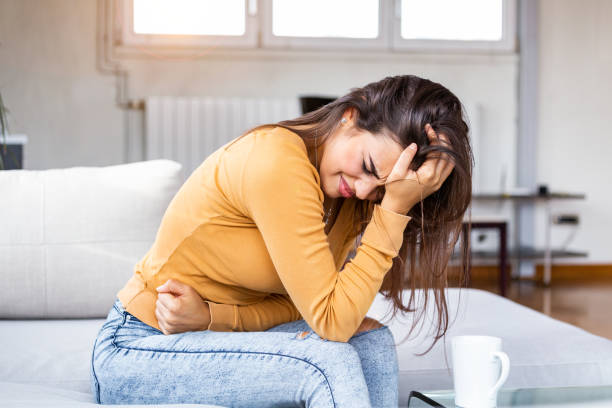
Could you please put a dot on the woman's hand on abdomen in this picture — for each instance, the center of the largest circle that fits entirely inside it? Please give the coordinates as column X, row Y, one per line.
column 179, row 308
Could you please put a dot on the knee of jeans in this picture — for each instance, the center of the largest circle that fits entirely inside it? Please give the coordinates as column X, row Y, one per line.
column 334, row 353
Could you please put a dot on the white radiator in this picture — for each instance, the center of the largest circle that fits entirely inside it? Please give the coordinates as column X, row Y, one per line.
column 188, row 130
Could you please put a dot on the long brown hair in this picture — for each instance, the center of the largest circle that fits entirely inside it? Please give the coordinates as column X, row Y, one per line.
column 399, row 107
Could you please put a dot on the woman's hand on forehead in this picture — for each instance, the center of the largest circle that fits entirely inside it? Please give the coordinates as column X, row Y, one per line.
column 407, row 187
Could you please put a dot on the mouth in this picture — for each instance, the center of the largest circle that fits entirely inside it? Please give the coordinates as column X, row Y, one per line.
column 344, row 189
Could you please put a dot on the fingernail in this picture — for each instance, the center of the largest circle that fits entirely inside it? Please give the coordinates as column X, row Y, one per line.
column 412, row 146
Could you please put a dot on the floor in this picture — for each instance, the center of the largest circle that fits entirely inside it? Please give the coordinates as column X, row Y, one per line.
column 583, row 304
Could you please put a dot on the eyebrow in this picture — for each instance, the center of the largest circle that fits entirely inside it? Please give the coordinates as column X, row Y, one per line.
column 374, row 168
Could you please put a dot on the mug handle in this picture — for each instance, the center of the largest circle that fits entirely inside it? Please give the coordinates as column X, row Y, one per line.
column 505, row 370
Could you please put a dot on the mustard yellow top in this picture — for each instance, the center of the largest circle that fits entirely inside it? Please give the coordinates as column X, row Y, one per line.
column 246, row 231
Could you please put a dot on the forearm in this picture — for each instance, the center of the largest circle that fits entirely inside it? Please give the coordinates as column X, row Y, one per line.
column 273, row 310
column 388, row 203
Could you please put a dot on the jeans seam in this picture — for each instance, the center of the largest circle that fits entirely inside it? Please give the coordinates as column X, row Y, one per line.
column 117, row 309
column 227, row 352
column 96, row 383
column 93, row 372
column 124, row 316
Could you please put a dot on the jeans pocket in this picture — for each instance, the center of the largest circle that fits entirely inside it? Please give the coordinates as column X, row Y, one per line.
column 132, row 328
column 134, row 322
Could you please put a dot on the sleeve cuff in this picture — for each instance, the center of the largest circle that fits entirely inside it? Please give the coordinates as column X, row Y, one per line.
column 222, row 317
column 386, row 230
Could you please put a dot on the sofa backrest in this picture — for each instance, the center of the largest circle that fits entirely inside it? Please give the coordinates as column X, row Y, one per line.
column 69, row 238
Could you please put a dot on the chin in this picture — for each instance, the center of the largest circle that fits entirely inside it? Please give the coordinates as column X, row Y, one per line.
column 332, row 194
column 325, row 189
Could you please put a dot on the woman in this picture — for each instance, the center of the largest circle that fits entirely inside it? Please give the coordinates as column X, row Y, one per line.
column 247, row 298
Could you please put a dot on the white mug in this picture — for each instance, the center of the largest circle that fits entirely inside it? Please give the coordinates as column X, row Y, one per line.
column 480, row 368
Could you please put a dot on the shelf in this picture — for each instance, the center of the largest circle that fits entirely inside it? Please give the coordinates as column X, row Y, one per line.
column 525, row 253
column 14, row 139
column 528, row 196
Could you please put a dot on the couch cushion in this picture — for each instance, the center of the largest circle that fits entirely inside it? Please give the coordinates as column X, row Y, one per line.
column 58, row 224
column 36, row 396
column 543, row 352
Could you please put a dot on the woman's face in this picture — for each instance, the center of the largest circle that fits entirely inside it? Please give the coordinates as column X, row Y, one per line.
column 352, row 155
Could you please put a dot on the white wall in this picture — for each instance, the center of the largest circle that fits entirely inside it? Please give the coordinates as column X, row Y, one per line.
column 57, row 97
column 49, row 82
column 575, row 114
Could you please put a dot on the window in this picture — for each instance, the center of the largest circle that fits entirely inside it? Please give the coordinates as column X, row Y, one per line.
column 189, row 23
column 452, row 20
column 454, row 24
column 335, row 19
column 324, row 23
column 189, row 17
column 381, row 25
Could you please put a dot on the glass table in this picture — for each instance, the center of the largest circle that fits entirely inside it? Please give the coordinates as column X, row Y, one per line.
column 524, row 397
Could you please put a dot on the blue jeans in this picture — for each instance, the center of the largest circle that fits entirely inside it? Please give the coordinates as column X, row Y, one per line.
column 134, row 363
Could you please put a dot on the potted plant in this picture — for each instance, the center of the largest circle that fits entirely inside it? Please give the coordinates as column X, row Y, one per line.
column 4, row 151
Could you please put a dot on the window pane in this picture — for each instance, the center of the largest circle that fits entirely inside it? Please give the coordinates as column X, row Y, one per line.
column 452, row 19
column 191, row 17
column 325, row 18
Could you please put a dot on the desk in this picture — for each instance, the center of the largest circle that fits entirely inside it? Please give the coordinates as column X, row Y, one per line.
column 502, row 227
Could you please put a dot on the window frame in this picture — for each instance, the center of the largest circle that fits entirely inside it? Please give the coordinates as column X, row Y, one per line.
column 506, row 44
column 130, row 38
column 258, row 37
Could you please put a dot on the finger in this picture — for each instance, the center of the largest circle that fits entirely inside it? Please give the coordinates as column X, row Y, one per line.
column 447, row 171
column 166, row 302
column 445, row 158
column 163, row 287
column 433, row 137
column 165, row 317
column 440, row 159
column 443, row 170
column 427, row 171
column 434, row 140
column 443, row 139
column 443, row 163
column 403, row 162
column 161, row 321
column 172, row 286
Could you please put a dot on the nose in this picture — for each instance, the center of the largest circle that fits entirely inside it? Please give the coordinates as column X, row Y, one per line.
column 365, row 188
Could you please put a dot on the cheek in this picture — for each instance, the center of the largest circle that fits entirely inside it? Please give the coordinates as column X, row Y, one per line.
column 353, row 167
column 346, row 163
column 349, row 163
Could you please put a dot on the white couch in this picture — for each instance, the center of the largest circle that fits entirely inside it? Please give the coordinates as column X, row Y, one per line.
column 70, row 237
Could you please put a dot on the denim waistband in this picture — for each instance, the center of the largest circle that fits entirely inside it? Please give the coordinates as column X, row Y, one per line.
column 119, row 306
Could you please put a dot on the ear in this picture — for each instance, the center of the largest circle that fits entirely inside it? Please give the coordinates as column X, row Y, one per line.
column 349, row 114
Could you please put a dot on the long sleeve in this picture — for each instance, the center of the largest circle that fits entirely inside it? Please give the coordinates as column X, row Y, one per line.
column 280, row 191
column 275, row 309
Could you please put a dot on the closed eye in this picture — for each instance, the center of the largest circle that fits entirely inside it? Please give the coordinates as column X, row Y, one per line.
column 363, row 166
column 380, row 191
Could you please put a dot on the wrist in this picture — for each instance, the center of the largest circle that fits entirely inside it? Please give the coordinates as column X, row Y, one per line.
column 389, row 204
